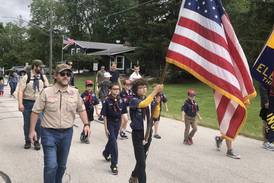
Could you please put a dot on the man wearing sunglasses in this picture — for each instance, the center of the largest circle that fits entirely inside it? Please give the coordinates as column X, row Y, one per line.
column 59, row 104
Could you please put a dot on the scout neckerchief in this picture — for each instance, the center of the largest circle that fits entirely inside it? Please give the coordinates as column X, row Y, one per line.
column 116, row 102
column 88, row 97
column 35, row 85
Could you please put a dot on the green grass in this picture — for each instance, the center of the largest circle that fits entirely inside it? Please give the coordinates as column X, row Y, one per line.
column 177, row 93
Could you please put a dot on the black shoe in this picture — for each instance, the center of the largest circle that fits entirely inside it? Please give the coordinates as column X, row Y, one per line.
column 37, row 146
column 218, row 141
column 114, row 169
column 157, row 136
column 27, row 145
column 107, row 158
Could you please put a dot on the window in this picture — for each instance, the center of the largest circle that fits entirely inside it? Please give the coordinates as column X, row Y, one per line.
column 78, row 50
column 72, row 51
column 120, row 61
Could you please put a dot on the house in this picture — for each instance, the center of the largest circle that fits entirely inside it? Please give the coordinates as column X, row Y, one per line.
column 109, row 53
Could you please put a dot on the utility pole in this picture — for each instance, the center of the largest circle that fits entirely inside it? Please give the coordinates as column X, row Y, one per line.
column 50, row 41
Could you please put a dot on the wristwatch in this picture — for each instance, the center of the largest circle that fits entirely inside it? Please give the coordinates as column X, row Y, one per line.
column 86, row 125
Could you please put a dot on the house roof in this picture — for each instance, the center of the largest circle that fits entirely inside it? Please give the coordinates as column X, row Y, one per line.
column 114, row 51
column 96, row 45
column 107, row 49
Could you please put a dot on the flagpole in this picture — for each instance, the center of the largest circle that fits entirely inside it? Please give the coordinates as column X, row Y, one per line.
column 150, row 122
column 62, row 55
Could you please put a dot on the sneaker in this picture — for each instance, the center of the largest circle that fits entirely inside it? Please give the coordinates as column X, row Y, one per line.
column 157, row 136
column 101, row 118
column 27, row 145
column 114, row 169
column 231, row 154
column 87, row 141
column 107, row 158
column 190, row 141
column 187, row 142
column 123, row 135
column 268, row 146
column 37, row 146
column 133, row 180
column 218, row 141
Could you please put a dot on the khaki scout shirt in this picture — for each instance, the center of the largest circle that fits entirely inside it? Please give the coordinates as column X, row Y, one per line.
column 58, row 106
column 28, row 91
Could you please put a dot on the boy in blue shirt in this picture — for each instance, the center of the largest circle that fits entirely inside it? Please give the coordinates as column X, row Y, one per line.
column 113, row 109
column 91, row 102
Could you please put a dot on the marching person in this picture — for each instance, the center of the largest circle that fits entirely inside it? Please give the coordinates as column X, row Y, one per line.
column 156, row 108
column 59, row 104
column 126, row 94
column 115, row 74
column 99, row 77
column 136, row 73
column 104, row 90
column 113, row 110
column 139, row 109
column 13, row 80
column 91, row 102
column 29, row 88
column 190, row 110
column 264, row 96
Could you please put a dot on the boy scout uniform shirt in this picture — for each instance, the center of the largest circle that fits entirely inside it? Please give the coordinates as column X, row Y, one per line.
column 28, row 92
column 109, row 111
column 137, row 114
column 190, row 108
column 59, row 107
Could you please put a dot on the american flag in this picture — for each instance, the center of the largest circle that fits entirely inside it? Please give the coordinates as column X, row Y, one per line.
column 68, row 41
column 205, row 44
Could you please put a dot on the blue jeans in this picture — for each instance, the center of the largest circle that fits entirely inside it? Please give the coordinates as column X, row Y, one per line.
column 56, row 144
column 12, row 87
column 28, row 104
column 111, row 146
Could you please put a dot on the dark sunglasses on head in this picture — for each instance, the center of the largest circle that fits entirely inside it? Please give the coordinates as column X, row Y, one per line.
column 63, row 74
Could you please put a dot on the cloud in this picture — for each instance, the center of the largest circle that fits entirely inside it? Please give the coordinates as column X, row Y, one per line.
column 14, row 8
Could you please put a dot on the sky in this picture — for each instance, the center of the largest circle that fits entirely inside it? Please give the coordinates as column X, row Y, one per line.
column 14, row 8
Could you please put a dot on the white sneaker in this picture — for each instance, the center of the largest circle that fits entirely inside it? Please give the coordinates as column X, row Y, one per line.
column 268, row 146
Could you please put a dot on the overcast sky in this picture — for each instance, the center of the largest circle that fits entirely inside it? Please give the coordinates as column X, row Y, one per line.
column 14, row 8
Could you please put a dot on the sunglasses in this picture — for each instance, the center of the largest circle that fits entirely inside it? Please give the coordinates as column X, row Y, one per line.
column 63, row 74
column 115, row 88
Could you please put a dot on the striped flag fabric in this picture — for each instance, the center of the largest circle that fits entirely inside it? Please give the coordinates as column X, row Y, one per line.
column 68, row 41
column 204, row 44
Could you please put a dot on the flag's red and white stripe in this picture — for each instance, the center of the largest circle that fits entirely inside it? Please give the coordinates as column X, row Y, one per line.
column 212, row 53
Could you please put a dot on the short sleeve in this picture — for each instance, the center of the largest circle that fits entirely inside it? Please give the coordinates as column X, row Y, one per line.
column 40, row 103
column 23, row 83
column 104, row 108
column 80, row 104
column 184, row 107
column 124, row 108
column 46, row 82
column 96, row 101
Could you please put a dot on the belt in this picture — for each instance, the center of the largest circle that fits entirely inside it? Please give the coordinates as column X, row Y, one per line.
column 59, row 129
